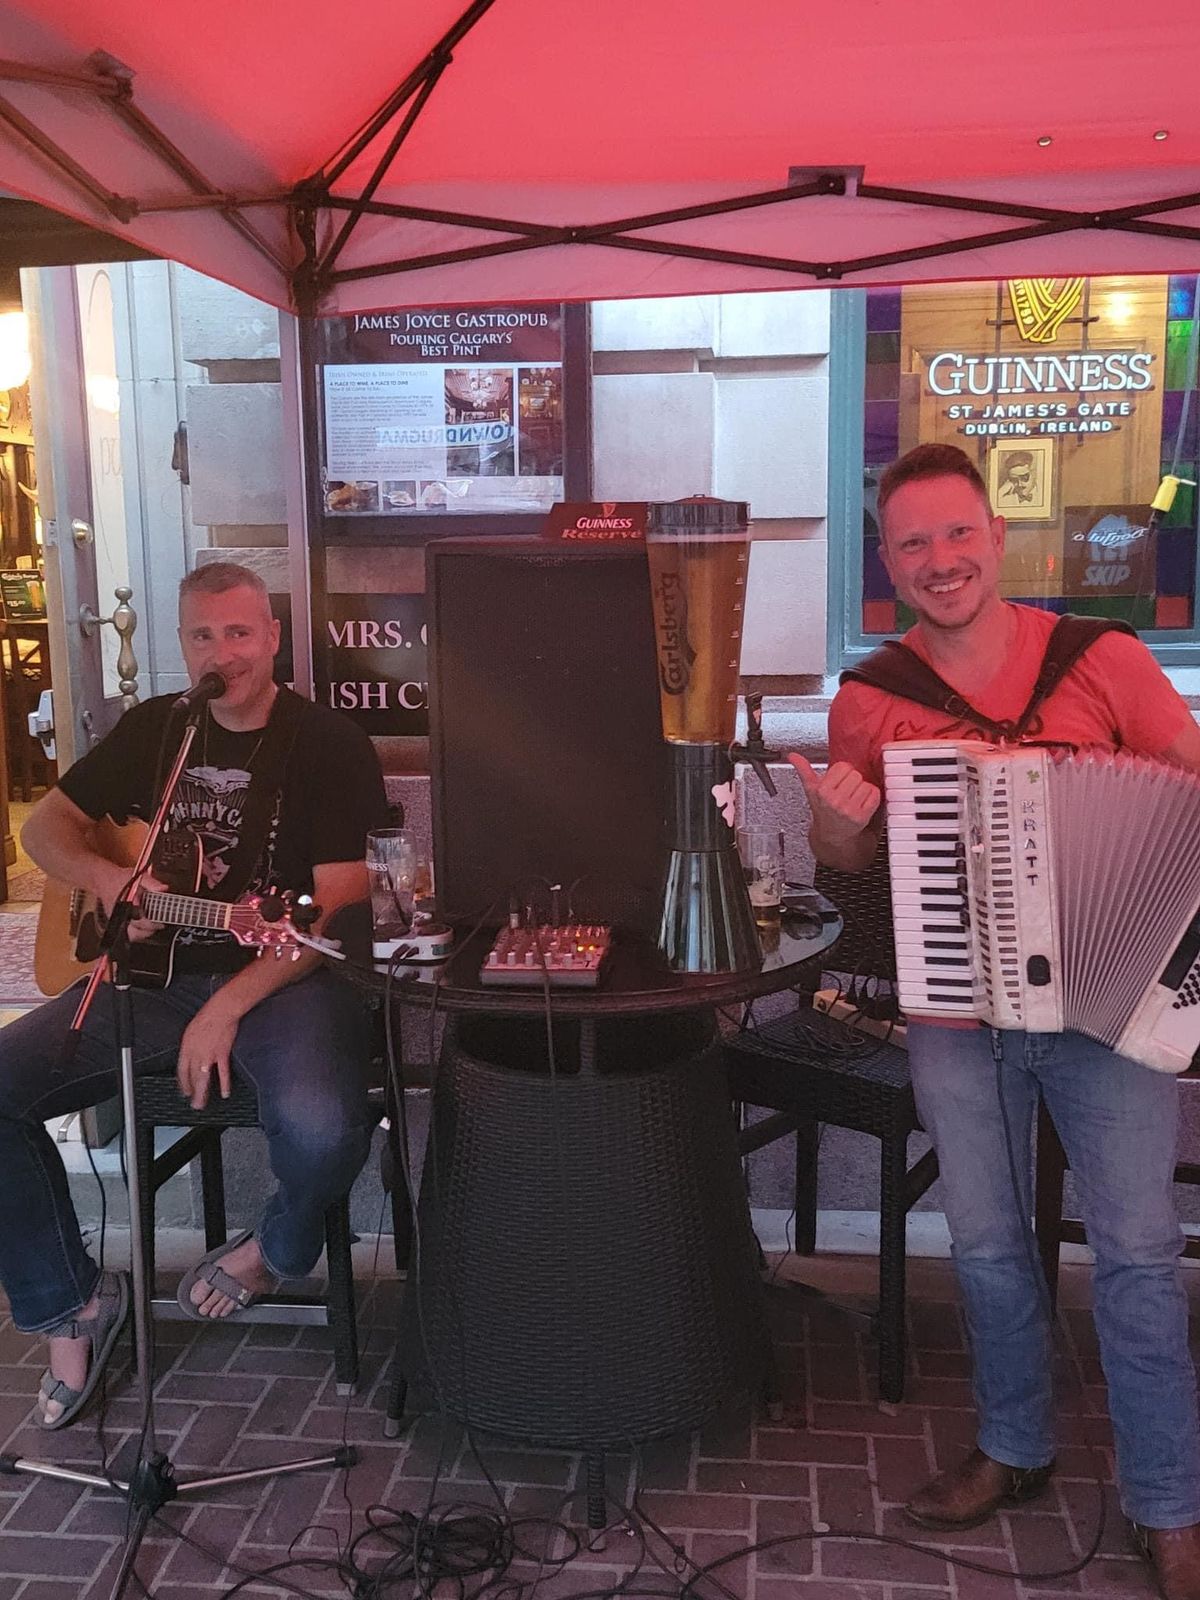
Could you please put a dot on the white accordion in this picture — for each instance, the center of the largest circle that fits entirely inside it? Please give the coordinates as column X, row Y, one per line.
column 1046, row 891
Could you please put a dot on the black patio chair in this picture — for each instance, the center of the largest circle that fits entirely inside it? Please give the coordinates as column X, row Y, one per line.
column 810, row 1068
column 159, row 1105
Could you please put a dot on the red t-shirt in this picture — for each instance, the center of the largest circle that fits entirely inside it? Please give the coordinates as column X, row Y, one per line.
column 1115, row 695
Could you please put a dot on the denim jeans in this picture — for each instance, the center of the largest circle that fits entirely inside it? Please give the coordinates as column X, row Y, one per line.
column 1118, row 1124
column 304, row 1048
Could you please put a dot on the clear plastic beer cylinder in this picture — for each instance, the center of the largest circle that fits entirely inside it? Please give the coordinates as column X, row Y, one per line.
column 698, row 553
column 698, row 550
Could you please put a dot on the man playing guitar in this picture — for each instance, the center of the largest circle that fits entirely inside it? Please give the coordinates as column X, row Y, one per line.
column 280, row 794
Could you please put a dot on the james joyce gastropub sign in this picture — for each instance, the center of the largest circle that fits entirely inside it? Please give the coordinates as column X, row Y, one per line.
column 444, row 411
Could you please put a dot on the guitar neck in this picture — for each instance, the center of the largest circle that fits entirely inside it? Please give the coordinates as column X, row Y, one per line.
column 185, row 910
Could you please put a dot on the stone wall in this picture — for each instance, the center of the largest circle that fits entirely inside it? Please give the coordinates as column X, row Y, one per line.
column 728, row 395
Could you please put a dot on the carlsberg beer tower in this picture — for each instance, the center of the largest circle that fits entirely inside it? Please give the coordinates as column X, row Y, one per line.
column 699, row 555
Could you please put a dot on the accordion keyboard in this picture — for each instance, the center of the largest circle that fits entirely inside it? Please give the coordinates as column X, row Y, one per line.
column 934, row 965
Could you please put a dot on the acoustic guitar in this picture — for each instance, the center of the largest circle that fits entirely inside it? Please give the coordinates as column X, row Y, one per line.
column 71, row 923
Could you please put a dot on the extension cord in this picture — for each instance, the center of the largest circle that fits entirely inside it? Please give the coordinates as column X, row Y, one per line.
column 829, row 1001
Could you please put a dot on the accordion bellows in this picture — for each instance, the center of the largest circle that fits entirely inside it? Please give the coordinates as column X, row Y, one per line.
column 1048, row 891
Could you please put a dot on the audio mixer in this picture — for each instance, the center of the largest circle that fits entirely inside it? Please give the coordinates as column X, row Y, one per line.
column 569, row 956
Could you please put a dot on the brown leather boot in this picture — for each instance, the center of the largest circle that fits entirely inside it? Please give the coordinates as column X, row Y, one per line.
column 969, row 1493
column 1174, row 1556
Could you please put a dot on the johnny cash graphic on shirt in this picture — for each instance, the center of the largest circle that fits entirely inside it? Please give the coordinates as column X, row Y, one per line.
column 210, row 803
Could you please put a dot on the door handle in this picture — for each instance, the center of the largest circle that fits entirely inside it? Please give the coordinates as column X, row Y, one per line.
column 41, row 724
column 124, row 620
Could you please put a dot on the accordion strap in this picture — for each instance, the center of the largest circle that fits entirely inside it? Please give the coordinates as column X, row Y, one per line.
column 897, row 670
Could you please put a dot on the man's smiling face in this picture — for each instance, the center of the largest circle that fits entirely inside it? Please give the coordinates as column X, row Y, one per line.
column 942, row 549
column 232, row 633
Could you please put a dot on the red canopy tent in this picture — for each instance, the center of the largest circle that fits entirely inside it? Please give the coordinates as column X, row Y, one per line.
column 347, row 158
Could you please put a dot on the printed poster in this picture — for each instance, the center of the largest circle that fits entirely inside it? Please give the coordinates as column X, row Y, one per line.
column 451, row 410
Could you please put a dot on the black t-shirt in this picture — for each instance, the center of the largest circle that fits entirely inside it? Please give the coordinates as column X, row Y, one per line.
column 331, row 795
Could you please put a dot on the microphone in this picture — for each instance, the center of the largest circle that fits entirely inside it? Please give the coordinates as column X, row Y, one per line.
column 211, row 687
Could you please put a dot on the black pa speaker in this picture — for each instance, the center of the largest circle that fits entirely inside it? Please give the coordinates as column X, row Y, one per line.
column 546, row 748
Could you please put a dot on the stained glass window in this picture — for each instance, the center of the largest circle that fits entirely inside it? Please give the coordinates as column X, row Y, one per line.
column 1074, row 397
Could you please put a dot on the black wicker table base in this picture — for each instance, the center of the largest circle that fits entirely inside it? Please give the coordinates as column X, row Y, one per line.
column 587, row 1275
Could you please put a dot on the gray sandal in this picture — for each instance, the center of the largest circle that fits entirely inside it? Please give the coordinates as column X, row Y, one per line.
column 102, row 1330
column 208, row 1270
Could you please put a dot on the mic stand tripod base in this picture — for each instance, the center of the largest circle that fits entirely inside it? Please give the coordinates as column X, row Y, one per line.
column 149, row 1483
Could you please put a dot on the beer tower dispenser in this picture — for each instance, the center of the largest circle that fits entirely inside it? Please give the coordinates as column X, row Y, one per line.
column 698, row 551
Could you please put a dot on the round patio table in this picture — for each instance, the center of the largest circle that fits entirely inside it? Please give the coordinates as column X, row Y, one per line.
column 584, row 1274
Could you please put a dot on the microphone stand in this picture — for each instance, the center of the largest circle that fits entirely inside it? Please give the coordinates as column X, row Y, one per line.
column 147, row 1478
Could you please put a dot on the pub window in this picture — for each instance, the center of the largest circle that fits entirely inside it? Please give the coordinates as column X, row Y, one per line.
column 1074, row 397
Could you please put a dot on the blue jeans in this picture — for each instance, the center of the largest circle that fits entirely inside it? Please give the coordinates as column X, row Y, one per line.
column 1118, row 1124
column 304, row 1048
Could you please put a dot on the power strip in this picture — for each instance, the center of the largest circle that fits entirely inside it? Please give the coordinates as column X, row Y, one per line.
column 569, row 956
column 428, row 942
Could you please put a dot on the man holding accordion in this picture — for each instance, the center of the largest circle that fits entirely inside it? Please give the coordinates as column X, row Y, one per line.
column 977, row 1088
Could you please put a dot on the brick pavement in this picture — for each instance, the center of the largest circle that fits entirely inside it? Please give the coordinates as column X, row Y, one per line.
column 241, row 1397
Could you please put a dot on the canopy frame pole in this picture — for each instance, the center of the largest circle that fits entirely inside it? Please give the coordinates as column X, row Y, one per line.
column 101, row 83
column 118, row 206
column 332, row 169
column 1044, row 223
column 554, row 234
column 1179, row 202
column 1164, row 230
column 158, row 143
column 304, row 211
column 454, row 219
column 444, row 258
column 112, row 82
column 358, row 206
column 214, row 201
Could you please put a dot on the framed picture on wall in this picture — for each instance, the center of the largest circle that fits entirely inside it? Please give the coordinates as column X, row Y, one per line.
column 1021, row 480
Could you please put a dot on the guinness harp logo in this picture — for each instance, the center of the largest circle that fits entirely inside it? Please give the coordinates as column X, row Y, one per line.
column 1042, row 305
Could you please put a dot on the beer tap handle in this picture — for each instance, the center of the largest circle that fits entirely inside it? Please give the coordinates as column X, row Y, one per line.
column 755, row 749
column 764, row 776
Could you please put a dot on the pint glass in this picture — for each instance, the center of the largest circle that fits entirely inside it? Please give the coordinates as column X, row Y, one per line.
column 391, row 872
column 698, row 551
